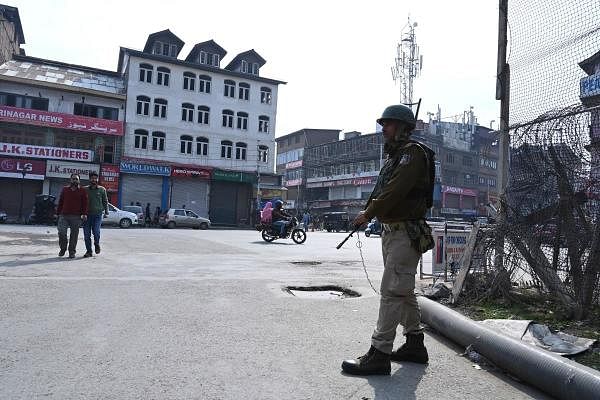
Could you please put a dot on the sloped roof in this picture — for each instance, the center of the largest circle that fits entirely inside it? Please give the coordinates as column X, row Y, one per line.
column 12, row 15
column 210, row 45
column 246, row 55
column 588, row 64
column 58, row 73
column 157, row 35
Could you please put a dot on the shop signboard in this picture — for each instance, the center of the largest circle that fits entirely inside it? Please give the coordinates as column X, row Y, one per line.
column 144, row 169
column 109, row 177
column 45, row 152
column 449, row 247
column 64, row 169
column 233, row 176
column 190, row 172
column 22, row 168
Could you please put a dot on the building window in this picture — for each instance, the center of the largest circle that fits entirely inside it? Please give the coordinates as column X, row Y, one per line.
column 467, row 161
column 450, row 158
column 263, row 153
column 185, row 144
column 254, row 68
column 109, row 154
column 158, row 141
column 226, row 147
column 201, row 146
column 15, row 100
column 204, row 84
column 162, row 76
column 265, row 95
column 160, row 108
column 229, row 88
column 244, row 91
column 242, row 120
column 203, row 57
column 492, row 182
column 187, row 112
column 215, row 60
column 244, row 66
column 203, row 114
column 228, row 118
column 469, row 179
column 189, row 81
column 90, row 110
column 165, row 49
column 240, row 151
column 140, row 139
column 146, row 73
column 263, row 124
column 482, row 180
column 143, row 105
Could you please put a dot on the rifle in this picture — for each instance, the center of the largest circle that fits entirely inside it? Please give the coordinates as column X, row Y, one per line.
column 356, row 228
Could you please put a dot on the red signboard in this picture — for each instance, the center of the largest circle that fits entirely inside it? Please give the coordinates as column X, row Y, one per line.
column 459, row 190
column 109, row 177
column 293, row 164
column 14, row 168
column 60, row 120
column 189, row 172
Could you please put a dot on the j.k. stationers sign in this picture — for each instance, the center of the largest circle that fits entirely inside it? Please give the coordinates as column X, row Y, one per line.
column 46, row 152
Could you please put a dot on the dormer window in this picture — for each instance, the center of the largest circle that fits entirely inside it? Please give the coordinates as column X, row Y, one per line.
column 203, row 57
column 255, row 68
column 244, row 66
column 215, row 60
column 165, row 49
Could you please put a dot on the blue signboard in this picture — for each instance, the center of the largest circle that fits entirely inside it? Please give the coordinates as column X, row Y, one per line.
column 589, row 86
column 145, row 169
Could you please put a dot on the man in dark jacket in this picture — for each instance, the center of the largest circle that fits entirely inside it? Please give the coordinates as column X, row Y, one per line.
column 72, row 210
column 97, row 206
column 400, row 199
column 280, row 218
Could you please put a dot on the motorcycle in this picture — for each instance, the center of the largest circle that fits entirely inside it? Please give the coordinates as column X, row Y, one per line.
column 293, row 230
column 373, row 228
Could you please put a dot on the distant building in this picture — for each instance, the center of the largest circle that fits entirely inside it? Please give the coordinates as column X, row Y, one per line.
column 197, row 133
column 290, row 161
column 55, row 119
column 11, row 33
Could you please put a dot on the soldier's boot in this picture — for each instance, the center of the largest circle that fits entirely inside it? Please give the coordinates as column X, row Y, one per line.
column 413, row 350
column 374, row 362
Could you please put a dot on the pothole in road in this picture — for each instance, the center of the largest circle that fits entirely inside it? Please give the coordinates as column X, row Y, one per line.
column 306, row 262
column 320, row 292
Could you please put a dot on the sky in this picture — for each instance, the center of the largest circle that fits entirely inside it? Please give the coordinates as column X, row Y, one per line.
column 336, row 56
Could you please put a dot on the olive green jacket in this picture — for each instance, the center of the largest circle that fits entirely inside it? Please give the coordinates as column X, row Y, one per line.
column 400, row 192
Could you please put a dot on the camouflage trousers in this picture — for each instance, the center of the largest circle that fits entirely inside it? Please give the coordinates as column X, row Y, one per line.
column 398, row 304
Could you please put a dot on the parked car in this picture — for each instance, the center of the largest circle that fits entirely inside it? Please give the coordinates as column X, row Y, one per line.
column 3, row 216
column 123, row 219
column 179, row 217
column 137, row 210
column 336, row 221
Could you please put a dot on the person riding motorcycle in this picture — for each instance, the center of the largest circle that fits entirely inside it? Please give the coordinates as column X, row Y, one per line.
column 280, row 218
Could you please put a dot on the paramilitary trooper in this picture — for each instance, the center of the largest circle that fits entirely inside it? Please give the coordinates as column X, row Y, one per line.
column 400, row 199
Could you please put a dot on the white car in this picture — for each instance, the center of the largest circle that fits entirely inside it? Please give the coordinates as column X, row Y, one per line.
column 119, row 217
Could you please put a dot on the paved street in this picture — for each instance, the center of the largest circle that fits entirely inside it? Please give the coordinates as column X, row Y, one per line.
column 185, row 314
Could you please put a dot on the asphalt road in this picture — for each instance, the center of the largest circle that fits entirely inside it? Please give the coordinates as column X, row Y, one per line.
column 185, row 314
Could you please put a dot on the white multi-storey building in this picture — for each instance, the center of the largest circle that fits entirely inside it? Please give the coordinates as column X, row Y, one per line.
column 197, row 134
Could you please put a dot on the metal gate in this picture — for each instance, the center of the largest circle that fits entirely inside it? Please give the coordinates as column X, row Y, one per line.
column 141, row 189
column 230, row 203
column 10, row 196
column 192, row 193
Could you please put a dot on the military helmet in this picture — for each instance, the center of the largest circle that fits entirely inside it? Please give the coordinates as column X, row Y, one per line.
column 398, row 112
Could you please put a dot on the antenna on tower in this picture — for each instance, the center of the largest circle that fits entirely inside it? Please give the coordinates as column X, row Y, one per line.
column 408, row 62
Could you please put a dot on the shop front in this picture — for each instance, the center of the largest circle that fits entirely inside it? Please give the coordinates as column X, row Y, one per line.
column 20, row 181
column 459, row 202
column 190, row 189
column 58, row 174
column 144, row 183
column 231, row 197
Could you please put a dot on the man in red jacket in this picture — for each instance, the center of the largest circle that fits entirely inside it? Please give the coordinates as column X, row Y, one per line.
column 72, row 211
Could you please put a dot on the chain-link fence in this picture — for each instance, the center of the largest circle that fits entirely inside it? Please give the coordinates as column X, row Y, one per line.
column 550, row 236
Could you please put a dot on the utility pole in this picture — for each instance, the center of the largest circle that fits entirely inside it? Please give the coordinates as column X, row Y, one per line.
column 502, row 94
column 408, row 62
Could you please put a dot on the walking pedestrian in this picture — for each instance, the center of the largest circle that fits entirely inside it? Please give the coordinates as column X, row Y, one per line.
column 400, row 199
column 97, row 206
column 72, row 211
column 306, row 220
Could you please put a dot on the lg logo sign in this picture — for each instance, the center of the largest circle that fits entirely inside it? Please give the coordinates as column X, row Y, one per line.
column 16, row 166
